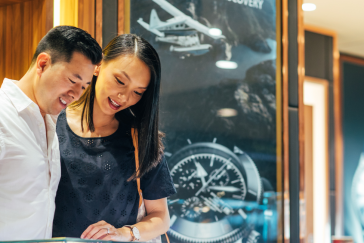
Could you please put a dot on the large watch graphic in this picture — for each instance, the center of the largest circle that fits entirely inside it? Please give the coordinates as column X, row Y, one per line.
column 215, row 187
column 357, row 191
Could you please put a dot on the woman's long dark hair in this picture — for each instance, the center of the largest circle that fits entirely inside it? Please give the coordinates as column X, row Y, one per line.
column 145, row 113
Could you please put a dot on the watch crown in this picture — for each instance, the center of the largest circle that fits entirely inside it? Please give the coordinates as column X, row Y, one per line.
column 238, row 150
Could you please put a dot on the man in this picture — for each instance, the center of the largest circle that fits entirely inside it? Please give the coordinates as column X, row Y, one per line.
column 61, row 68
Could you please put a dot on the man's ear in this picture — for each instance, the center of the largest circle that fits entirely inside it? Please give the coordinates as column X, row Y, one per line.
column 43, row 61
column 97, row 70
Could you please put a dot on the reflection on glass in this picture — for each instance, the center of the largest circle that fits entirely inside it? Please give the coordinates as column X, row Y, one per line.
column 226, row 64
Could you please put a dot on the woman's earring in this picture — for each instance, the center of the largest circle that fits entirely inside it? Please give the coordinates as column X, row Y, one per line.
column 132, row 112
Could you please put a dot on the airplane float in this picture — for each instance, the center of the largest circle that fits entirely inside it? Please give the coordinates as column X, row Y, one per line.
column 180, row 30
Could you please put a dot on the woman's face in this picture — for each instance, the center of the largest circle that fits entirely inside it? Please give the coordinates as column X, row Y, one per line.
column 121, row 83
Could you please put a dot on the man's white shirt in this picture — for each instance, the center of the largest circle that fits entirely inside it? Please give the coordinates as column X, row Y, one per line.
column 29, row 167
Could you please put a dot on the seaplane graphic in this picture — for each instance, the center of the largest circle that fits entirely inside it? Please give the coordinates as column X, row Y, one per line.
column 181, row 30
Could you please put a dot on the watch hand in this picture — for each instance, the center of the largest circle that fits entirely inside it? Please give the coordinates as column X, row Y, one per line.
column 211, row 204
column 201, row 172
column 173, row 201
column 225, row 208
column 225, row 188
column 192, row 175
column 203, row 181
column 213, row 177
column 221, row 174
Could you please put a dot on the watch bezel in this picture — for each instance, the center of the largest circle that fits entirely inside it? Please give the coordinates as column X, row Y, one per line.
column 243, row 163
column 136, row 233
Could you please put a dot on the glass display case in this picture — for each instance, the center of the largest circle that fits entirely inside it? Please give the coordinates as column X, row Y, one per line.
column 219, row 114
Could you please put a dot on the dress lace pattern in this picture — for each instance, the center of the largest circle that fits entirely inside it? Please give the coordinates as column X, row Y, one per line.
column 94, row 186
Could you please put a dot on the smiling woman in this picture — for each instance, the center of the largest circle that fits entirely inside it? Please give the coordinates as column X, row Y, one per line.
column 97, row 151
column 121, row 84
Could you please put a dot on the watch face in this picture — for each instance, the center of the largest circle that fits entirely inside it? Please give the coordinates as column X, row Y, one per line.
column 136, row 233
column 212, row 187
column 253, row 237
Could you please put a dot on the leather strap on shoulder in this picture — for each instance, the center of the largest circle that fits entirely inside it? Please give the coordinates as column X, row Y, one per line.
column 134, row 134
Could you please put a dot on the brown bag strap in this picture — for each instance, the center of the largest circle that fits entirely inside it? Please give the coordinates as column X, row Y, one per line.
column 134, row 134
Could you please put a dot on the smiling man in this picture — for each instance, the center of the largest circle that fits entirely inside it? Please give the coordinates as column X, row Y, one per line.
column 61, row 68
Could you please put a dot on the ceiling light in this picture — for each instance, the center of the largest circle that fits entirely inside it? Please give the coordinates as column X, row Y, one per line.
column 308, row 7
column 215, row 31
column 226, row 64
column 227, row 112
column 56, row 12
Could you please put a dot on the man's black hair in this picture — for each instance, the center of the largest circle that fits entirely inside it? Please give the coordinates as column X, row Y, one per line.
column 62, row 41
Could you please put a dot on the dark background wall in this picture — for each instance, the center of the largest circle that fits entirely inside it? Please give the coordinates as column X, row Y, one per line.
column 319, row 64
column 109, row 21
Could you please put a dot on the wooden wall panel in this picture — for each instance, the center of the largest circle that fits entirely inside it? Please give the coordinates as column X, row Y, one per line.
column 2, row 43
column 98, row 26
column 69, row 12
column 9, row 2
column 22, row 26
column 308, row 176
column 285, row 136
column 15, row 40
column 123, row 16
column 27, row 30
column 86, row 16
column 48, row 5
column 78, row 13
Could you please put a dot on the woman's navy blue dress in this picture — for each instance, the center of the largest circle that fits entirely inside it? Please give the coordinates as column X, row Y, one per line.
column 94, row 186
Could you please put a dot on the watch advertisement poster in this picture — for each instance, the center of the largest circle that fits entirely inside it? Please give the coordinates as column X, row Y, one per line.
column 218, row 111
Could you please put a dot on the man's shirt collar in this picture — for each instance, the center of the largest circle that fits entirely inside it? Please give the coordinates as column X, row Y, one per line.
column 19, row 99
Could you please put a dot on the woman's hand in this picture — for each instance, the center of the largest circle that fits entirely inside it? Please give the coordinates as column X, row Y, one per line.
column 105, row 231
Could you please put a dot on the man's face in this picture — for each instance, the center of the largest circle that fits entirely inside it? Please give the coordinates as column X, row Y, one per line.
column 62, row 83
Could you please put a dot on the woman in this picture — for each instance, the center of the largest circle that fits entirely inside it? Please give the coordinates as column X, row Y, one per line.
column 97, row 196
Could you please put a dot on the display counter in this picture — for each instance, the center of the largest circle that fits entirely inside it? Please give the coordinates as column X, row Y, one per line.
column 61, row 239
